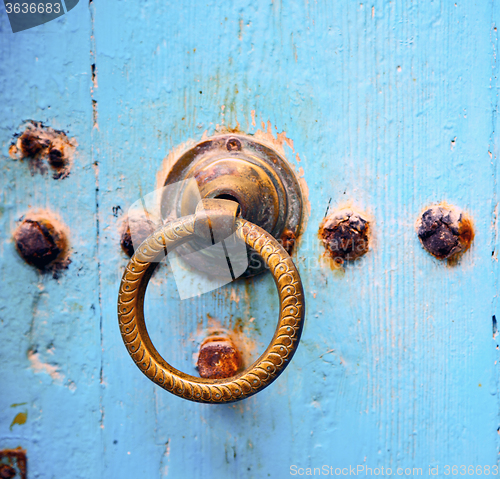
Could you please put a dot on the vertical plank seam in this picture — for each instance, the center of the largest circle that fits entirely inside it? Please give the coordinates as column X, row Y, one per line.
column 95, row 164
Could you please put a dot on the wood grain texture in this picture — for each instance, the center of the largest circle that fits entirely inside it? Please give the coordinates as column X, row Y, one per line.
column 50, row 328
column 391, row 106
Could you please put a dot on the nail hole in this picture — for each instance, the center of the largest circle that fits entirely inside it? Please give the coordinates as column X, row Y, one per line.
column 233, row 144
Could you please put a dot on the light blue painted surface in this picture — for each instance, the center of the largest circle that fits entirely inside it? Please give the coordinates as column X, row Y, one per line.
column 397, row 365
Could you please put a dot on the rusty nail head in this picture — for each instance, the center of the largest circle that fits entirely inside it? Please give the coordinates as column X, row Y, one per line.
column 345, row 235
column 7, row 472
column 31, row 143
column 445, row 231
column 288, row 240
column 126, row 241
column 39, row 241
column 56, row 159
column 13, row 463
column 218, row 358
column 57, row 154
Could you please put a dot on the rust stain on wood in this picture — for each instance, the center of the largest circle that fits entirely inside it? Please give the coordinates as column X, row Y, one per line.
column 42, row 145
column 345, row 235
column 42, row 241
column 445, row 232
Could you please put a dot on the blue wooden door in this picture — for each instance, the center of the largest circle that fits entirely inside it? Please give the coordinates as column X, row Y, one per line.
column 385, row 107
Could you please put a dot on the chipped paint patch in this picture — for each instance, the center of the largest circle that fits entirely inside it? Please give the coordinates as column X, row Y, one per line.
column 39, row 366
column 44, row 147
column 234, row 295
column 19, row 419
column 171, row 158
column 252, row 113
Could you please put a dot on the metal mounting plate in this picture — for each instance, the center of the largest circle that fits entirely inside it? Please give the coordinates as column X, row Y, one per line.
column 239, row 168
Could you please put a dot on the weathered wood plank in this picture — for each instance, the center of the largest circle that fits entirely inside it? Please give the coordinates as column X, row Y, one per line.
column 50, row 359
column 389, row 108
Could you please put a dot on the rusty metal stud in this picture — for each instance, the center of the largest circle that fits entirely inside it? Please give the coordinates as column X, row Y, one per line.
column 133, row 327
column 32, row 143
column 345, row 235
column 445, row 231
column 57, row 154
column 288, row 240
column 218, row 358
column 40, row 241
column 13, row 463
column 39, row 144
column 135, row 230
column 233, row 144
column 58, row 158
column 7, row 472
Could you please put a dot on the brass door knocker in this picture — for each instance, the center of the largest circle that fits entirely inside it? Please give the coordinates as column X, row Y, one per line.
column 223, row 215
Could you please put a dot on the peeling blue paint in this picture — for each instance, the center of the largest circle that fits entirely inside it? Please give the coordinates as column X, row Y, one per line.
column 391, row 107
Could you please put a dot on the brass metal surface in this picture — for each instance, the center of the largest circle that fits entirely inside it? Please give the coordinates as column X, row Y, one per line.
column 265, row 369
column 238, row 168
column 216, row 219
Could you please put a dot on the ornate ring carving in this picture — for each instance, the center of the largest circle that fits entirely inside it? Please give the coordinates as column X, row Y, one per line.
column 264, row 370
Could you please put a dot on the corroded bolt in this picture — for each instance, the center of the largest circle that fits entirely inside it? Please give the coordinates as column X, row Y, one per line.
column 7, row 472
column 135, row 231
column 39, row 143
column 39, row 242
column 57, row 154
column 445, row 231
column 288, row 240
column 345, row 235
column 56, row 158
column 218, row 358
column 32, row 143
column 126, row 242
